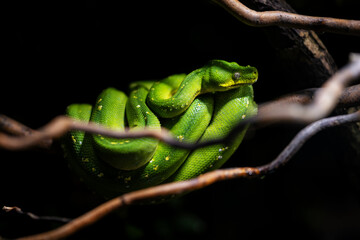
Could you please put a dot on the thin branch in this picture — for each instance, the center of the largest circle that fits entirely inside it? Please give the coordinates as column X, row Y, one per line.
column 175, row 188
column 350, row 97
column 324, row 100
column 13, row 127
column 60, row 125
column 285, row 19
column 34, row 216
column 16, row 128
column 304, row 135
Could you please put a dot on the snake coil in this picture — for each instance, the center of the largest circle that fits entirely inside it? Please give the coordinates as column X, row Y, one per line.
column 202, row 105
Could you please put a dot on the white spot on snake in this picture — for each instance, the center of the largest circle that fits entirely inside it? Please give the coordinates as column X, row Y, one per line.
column 137, row 106
column 127, row 179
column 167, row 158
column 156, row 167
column 93, row 169
column 243, row 116
column 99, row 107
column 152, row 160
column 73, row 138
column 99, row 100
column 85, row 160
column 100, row 175
column 219, row 157
column 146, row 175
column 181, row 138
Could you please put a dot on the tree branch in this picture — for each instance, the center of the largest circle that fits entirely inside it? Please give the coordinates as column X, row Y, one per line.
column 34, row 216
column 293, row 108
column 176, row 188
column 285, row 19
column 325, row 100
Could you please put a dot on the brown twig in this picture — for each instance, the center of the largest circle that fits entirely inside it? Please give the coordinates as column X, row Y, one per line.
column 350, row 97
column 285, row 19
column 324, row 100
column 326, row 96
column 175, row 188
column 34, row 216
column 60, row 125
column 13, row 127
column 16, row 128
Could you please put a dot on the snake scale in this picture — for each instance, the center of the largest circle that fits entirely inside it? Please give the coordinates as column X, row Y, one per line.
column 199, row 106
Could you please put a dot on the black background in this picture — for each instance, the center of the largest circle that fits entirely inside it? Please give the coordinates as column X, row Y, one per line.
column 57, row 53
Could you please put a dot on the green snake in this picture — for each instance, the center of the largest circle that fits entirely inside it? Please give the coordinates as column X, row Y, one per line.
column 202, row 105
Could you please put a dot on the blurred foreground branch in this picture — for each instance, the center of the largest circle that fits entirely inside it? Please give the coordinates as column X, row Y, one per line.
column 324, row 101
column 176, row 188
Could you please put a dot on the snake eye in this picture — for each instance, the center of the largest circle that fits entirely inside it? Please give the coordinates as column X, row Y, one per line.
column 236, row 76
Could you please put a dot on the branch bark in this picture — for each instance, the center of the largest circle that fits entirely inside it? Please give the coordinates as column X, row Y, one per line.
column 284, row 19
column 325, row 100
column 304, row 58
column 176, row 188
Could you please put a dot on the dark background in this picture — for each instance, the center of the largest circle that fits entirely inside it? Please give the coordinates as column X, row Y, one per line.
column 57, row 53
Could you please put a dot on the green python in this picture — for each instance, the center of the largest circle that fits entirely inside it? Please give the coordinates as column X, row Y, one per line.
column 202, row 105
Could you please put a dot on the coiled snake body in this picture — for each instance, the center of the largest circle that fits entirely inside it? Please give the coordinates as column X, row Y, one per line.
column 200, row 106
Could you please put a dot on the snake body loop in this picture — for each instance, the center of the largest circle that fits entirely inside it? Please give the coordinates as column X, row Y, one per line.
column 202, row 105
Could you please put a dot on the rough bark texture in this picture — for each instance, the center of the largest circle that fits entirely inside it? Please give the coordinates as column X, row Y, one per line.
column 303, row 53
column 300, row 51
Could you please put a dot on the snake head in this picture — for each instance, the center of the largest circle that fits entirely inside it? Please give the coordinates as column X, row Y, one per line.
column 222, row 75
